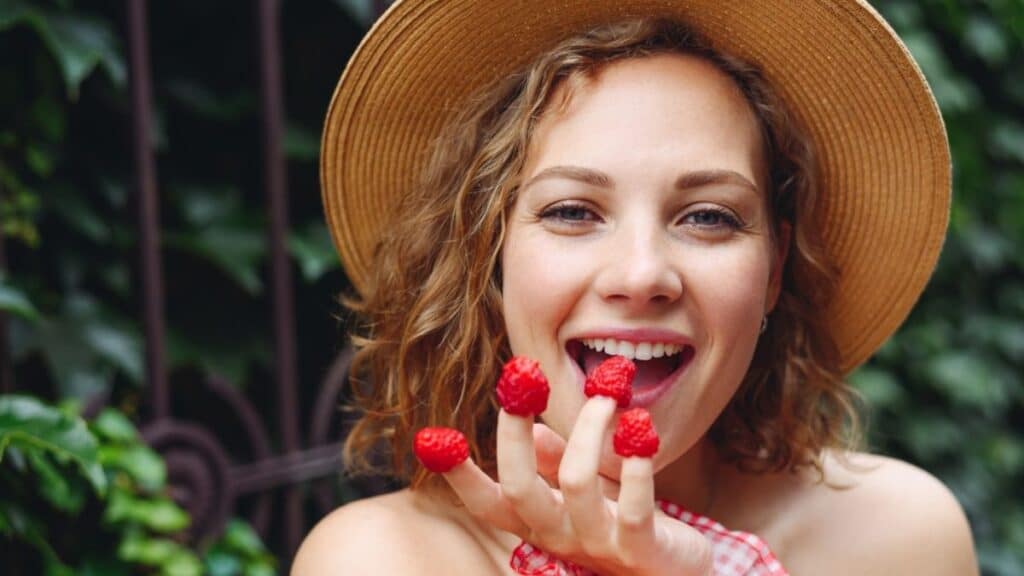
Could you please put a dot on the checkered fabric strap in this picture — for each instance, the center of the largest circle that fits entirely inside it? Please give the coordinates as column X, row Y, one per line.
column 736, row 553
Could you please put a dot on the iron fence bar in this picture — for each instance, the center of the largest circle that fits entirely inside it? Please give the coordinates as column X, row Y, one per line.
column 277, row 205
column 292, row 468
column 148, row 209
column 6, row 362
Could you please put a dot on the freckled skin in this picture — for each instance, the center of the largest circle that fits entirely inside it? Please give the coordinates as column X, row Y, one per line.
column 639, row 253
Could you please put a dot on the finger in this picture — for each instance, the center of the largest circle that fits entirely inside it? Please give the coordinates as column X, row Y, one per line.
column 482, row 497
column 529, row 495
column 549, row 449
column 578, row 476
column 635, row 512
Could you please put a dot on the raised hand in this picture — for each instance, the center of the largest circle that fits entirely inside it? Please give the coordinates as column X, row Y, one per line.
column 572, row 516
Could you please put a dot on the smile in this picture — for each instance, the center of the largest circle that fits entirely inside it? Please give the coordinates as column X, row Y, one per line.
column 660, row 364
column 632, row 350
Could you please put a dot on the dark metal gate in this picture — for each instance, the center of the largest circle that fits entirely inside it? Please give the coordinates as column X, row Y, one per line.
column 201, row 475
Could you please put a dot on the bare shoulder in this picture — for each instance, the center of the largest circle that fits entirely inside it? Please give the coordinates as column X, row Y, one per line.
column 878, row 515
column 390, row 534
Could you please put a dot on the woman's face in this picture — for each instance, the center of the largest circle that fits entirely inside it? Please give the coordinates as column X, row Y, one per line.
column 641, row 229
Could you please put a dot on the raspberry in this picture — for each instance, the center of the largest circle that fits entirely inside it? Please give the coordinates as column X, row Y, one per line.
column 612, row 378
column 522, row 388
column 440, row 449
column 635, row 434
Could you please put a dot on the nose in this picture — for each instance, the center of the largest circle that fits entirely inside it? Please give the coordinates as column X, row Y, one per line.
column 639, row 269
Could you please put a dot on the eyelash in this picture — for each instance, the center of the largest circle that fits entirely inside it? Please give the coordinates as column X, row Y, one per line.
column 558, row 212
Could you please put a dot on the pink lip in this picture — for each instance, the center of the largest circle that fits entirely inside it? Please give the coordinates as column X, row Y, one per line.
column 647, row 396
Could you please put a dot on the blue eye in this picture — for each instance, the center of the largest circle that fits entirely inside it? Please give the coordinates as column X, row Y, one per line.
column 711, row 218
column 569, row 213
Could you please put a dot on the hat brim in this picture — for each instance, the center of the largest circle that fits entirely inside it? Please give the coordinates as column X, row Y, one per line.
column 839, row 68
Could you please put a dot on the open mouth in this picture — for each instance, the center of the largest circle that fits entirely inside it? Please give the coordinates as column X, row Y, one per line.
column 657, row 363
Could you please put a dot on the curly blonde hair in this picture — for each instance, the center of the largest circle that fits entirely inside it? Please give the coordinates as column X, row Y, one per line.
column 433, row 341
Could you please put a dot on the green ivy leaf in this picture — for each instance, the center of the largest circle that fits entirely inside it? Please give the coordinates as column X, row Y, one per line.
column 968, row 380
column 236, row 251
column 360, row 10
column 182, row 563
column 1006, row 453
column 157, row 514
column 80, row 43
column 55, row 486
column 930, row 436
column 1007, row 140
column 165, row 516
column 240, row 537
column 314, row 251
column 142, row 549
column 301, row 143
column 201, row 100
column 84, row 344
column 139, row 462
column 953, row 92
column 114, row 426
column 33, row 426
column 879, row 387
column 15, row 301
column 79, row 215
column 222, row 563
column 986, row 39
column 40, row 159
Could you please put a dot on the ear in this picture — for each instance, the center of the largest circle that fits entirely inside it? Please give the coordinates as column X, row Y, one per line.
column 779, row 254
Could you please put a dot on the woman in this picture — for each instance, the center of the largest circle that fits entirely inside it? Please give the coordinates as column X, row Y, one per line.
column 606, row 181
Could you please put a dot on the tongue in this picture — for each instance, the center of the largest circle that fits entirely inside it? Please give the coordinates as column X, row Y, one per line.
column 648, row 372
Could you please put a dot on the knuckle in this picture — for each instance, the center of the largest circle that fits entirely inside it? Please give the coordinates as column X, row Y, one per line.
column 516, row 493
column 595, row 550
column 558, row 546
column 634, row 521
column 572, row 482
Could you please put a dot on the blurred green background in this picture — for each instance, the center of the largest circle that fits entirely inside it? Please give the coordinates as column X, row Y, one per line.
column 947, row 392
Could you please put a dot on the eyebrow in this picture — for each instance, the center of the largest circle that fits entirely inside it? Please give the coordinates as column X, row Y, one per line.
column 686, row 181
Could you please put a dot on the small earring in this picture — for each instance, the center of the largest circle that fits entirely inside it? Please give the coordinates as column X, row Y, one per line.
column 764, row 324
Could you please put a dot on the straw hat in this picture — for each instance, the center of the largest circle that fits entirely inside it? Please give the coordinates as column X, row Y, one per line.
column 882, row 148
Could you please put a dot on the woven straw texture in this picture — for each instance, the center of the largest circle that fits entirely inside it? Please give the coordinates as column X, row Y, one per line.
column 882, row 149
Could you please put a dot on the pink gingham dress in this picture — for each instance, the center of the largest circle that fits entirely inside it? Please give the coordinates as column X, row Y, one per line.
column 735, row 553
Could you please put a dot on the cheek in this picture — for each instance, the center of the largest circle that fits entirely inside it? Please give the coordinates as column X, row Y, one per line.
column 731, row 297
column 539, row 288
column 731, row 290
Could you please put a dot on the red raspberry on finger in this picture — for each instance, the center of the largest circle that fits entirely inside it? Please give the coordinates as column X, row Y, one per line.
column 635, row 434
column 440, row 449
column 612, row 378
column 522, row 388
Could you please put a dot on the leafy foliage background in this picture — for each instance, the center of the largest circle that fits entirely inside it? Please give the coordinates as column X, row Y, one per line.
column 945, row 393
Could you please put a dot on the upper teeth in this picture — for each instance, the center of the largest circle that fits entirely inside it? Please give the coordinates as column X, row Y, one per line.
column 632, row 350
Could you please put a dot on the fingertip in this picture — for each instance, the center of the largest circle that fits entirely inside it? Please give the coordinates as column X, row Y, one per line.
column 522, row 388
column 439, row 449
column 635, row 434
column 637, row 468
column 606, row 404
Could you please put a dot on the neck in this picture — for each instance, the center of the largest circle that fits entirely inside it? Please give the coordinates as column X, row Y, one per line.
column 692, row 480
